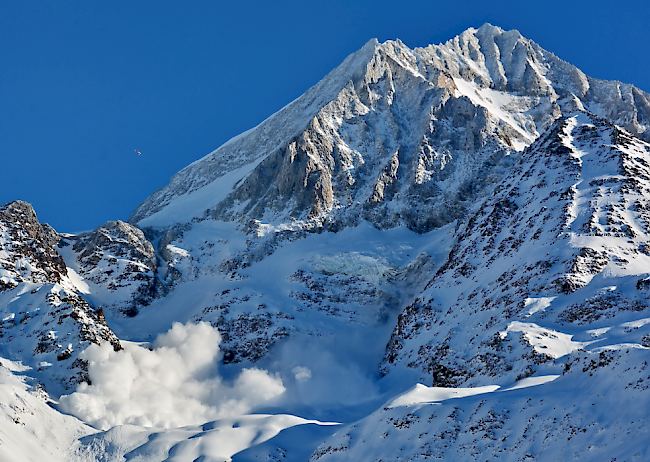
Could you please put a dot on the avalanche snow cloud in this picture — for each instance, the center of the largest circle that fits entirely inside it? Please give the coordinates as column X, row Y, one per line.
column 175, row 383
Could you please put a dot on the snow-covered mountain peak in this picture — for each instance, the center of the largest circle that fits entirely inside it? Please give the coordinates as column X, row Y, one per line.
column 238, row 156
column 395, row 136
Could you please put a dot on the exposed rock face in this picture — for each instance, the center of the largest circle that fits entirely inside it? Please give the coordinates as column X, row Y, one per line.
column 44, row 321
column 27, row 252
column 395, row 136
column 120, row 239
column 119, row 260
column 576, row 207
column 344, row 288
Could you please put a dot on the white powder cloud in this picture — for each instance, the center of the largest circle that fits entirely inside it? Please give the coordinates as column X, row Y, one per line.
column 301, row 373
column 328, row 372
column 173, row 384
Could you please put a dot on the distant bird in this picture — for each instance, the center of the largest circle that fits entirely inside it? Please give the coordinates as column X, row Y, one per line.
column 139, row 153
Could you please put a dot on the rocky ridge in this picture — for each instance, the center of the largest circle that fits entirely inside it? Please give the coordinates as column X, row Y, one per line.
column 394, row 136
column 119, row 262
column 28, row 253
column 575, row 208
column 46, row 322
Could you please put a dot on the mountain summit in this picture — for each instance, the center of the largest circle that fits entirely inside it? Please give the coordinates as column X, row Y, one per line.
column 394, row 136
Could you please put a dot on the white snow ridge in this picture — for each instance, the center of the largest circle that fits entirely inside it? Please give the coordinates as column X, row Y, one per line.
column 434, row 253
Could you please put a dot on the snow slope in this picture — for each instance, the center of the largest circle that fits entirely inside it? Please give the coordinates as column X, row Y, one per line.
column 595, row 411
column 573, row 212
column 31, row 430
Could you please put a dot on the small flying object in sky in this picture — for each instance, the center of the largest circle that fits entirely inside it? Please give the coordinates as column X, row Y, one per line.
column 139, row 153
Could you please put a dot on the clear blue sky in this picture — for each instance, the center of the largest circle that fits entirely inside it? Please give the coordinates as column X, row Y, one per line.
column 84, row 84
